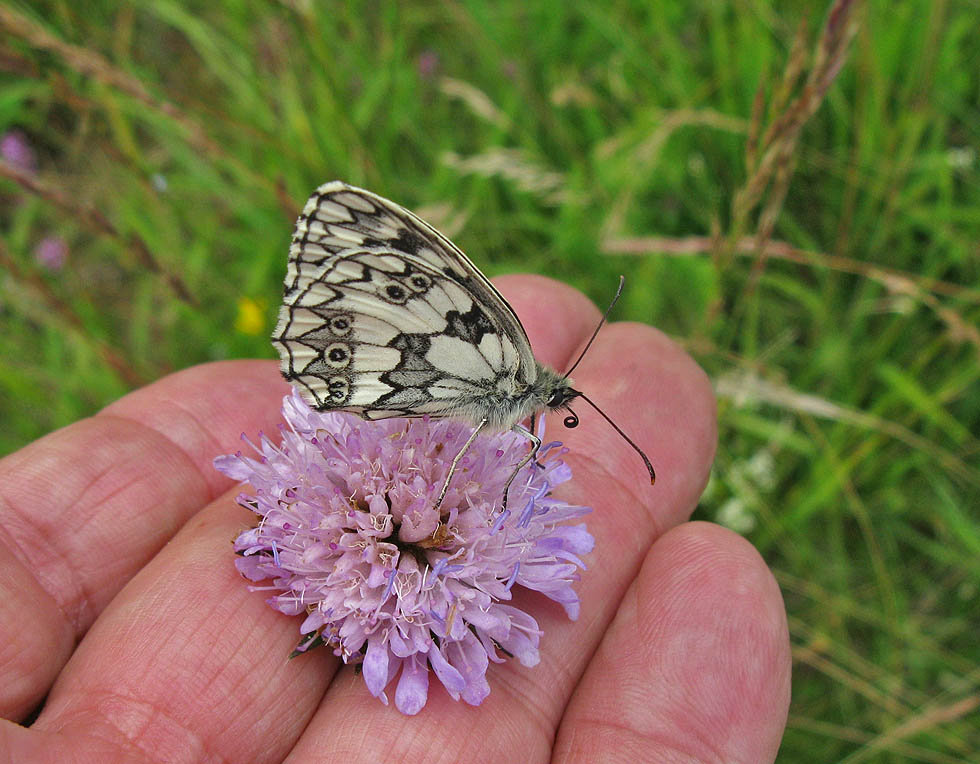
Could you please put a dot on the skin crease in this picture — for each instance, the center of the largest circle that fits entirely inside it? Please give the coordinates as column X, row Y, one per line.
column 117, row 529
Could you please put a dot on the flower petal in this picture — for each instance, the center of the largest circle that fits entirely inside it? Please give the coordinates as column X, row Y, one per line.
column 234, row 466
column 375, row 666
column 451, row 679
column 413, row 687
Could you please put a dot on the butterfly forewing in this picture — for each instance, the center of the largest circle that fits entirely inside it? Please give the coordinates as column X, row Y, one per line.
column 339, row 217
column 383, row 316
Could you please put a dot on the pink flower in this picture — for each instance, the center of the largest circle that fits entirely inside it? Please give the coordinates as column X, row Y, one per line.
column 16, row 150
column 51, row 252
column 348, row 537
column 427, row 64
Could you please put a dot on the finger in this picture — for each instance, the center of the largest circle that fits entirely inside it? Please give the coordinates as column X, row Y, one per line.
column 663, row 402
column 186, row 664
column 85, row 507
column 518, row 720
column 695, row 666
column 557, row 317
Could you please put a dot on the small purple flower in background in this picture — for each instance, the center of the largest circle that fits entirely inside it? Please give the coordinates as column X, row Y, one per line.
column 348, row 536
column 17, row 151
column 427, row 64
column 51, row 252
column 510, row 69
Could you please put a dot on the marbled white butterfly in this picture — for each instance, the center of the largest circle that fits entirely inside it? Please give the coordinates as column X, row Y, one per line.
column 383, row 317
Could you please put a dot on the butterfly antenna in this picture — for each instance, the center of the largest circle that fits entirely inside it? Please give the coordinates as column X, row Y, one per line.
column 646, row 461
column 619, row 291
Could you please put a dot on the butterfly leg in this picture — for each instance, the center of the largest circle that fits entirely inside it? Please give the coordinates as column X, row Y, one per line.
column 536, row 444
column 452, row 467
column 534, row 428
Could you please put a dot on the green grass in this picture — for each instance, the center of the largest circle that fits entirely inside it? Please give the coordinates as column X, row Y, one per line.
column 846, row 362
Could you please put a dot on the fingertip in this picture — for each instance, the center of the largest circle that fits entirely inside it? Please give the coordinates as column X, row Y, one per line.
column 717, row 636
column 36, row 638
column 706, row 670
column 703, row 559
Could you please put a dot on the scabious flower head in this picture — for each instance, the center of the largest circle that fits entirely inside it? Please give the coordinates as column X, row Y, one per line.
column 348, row 535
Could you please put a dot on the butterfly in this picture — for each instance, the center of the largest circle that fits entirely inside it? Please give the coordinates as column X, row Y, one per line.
column 383, row 316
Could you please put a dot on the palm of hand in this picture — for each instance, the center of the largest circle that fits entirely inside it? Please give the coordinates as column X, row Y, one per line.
column 681, row 652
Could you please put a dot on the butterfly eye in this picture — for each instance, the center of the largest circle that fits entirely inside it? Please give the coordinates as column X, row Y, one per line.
column 560, row 397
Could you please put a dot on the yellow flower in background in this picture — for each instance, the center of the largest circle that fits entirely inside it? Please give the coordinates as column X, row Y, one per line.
column 251, row 316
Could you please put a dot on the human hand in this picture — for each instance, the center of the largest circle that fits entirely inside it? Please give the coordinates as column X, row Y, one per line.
column 117, row 529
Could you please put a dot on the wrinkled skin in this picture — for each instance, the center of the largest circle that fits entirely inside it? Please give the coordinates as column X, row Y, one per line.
column 122, row 612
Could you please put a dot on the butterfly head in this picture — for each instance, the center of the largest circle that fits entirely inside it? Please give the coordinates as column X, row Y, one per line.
column 562, row 394
column 558, row 393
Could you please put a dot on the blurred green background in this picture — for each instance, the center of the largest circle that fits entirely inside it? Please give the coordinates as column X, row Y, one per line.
column 793, row 192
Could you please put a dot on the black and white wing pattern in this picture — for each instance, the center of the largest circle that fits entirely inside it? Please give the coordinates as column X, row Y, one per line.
column 383, row 316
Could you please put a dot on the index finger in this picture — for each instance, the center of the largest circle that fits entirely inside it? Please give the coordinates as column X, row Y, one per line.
column 87, row 506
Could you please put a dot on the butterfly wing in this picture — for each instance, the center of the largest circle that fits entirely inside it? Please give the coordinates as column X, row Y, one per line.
column 339, row 217
column 383, row 316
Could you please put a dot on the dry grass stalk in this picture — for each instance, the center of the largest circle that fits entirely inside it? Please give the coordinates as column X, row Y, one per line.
column 929, row 719
column 744, row 388
column 755, row 126
column 477, row 101
column 922, row 289
column 894, row 280
column 112, row 356
column 90, row 64
column 860, row 736
column 815, row 659
column 772, row 161
column 512, row 165
column 96, row 221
